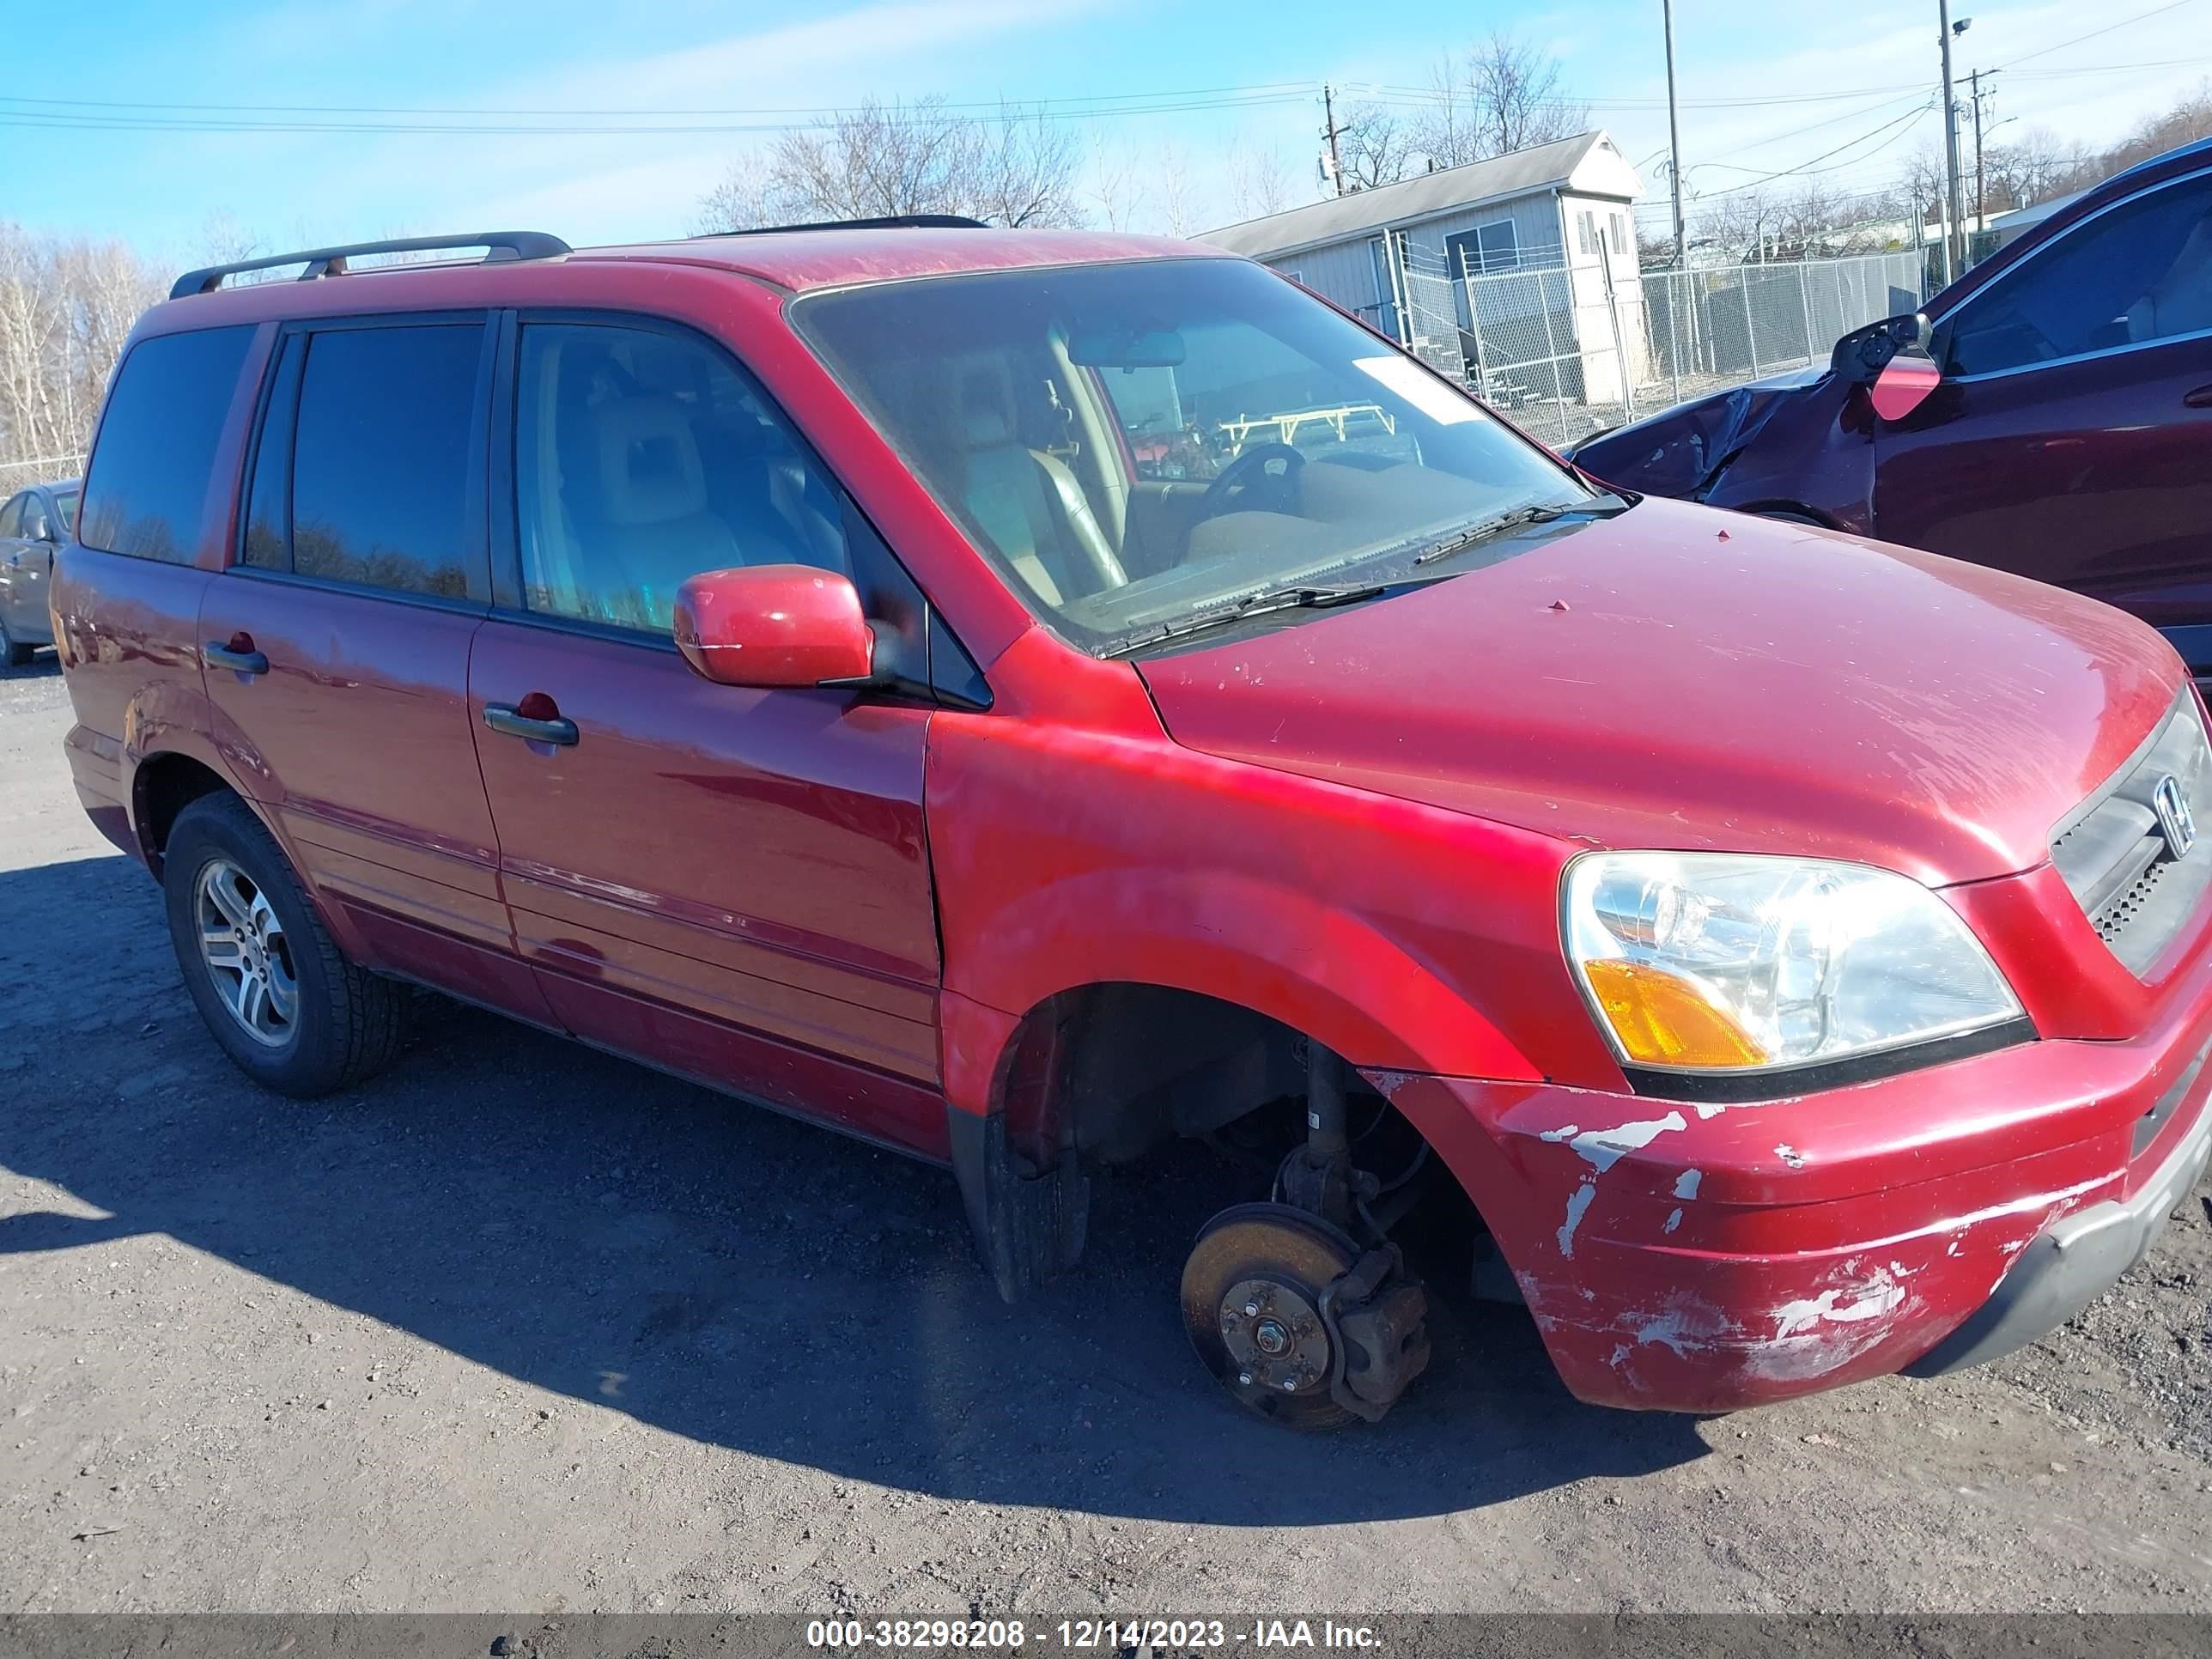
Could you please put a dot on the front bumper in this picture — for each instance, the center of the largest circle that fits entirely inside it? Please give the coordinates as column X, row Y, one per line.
column 1700, row 1257
column 2075, row 1260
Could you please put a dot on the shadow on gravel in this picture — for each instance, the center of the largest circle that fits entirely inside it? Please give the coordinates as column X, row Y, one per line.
column 716, row 1271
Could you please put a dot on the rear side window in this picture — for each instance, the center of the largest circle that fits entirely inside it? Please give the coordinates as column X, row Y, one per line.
column 147, row 488
column 382, row 448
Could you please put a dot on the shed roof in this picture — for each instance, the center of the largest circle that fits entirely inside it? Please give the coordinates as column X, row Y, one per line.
column 1448, row 189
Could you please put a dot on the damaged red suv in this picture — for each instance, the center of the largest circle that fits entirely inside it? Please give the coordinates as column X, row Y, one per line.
column 1023, row 697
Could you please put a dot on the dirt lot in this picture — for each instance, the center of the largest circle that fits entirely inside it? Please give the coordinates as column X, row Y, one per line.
column 521, row 1328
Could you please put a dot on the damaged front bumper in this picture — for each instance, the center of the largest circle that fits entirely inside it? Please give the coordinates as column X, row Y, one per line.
column 2075, row 1260
column 1703, row 1257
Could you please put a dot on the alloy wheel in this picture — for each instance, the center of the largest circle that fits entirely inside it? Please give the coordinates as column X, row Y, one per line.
column 248, row 958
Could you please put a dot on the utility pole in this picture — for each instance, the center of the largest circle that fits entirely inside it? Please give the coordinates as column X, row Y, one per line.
column 1954, row 262
column 1335, row 160
column 1980, row 93
column 1674, row 142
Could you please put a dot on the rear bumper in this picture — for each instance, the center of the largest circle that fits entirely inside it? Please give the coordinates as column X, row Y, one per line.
column 1702, row 1257
column 96, row 770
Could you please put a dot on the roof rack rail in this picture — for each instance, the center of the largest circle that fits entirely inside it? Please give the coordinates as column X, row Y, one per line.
column 892, row 221
column 501, row 244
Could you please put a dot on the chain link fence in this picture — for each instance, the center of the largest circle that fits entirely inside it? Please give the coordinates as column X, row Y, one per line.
column 1569, row 350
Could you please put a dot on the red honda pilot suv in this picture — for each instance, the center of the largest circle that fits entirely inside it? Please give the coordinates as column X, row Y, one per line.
column 1021, row 698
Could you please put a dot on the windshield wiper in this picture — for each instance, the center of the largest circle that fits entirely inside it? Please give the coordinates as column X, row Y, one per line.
column 1303, row 596
column 1542, row 513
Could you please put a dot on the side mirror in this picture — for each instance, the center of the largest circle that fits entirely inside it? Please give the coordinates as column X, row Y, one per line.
column 773, row 625
column 1904, row 383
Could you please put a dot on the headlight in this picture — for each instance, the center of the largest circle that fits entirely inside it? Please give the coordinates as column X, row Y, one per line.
column 1708, row 961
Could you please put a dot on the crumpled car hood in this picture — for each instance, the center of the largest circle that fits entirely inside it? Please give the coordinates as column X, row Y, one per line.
column 1678, row 677
column 1677, row 451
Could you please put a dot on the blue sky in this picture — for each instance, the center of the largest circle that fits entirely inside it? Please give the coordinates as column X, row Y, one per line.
column 103, row 64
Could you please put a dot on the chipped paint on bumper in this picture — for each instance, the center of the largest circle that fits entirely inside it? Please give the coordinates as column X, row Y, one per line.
column 1692, row 1258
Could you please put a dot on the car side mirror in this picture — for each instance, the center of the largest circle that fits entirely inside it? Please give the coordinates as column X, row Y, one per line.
column 775, row 625
column 1905, row 382
column 1864, row 352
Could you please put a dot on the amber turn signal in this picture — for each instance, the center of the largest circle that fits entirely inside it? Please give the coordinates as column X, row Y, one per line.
column 1663, row 1020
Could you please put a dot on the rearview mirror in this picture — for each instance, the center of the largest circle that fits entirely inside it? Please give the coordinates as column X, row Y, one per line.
column 773, row 625
column 1126, row 348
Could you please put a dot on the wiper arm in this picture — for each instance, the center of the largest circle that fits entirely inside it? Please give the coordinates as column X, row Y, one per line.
column 1305, row 596
column 1542, row 513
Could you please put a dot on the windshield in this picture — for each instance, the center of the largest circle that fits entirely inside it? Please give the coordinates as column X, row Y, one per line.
column 1135, row 444
column 66, row 505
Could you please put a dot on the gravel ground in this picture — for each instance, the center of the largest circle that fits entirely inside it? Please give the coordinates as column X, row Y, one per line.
column 519, row 1327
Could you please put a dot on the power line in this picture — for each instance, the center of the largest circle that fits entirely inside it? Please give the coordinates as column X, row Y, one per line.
column 1284, row 89
column 2045, row 52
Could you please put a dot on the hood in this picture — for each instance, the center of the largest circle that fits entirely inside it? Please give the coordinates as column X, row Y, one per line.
column 1676, row 453
column 1681, row 677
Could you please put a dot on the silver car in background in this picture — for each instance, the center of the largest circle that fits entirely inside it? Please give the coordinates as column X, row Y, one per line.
column 32, row 524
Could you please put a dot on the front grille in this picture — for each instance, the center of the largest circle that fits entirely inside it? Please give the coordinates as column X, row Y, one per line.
column 2116, row 858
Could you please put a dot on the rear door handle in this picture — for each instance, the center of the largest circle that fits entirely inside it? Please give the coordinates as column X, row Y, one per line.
column 237, row 653
column 2200, row 398
column 505, row 717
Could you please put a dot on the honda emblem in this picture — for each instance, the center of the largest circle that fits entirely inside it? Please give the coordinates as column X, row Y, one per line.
column 2174, row 822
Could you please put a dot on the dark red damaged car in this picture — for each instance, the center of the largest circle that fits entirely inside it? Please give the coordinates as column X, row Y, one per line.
column 2050, row 413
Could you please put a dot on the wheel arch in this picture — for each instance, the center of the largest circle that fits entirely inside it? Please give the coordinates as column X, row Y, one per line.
column 162, row 784
column 1284, row 954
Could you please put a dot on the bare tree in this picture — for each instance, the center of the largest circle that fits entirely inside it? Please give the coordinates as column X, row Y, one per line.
column 1016, row 169
column 65, row 309
column 1115, row 185
column 1498, row 96
column 1376, row 147
column 1259, row 183
column 32, row 320
column 1174, row 202
column 1736, row 223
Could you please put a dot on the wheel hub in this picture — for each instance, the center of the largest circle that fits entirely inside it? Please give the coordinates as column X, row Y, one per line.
column 1274, row 1337
column 247, row 958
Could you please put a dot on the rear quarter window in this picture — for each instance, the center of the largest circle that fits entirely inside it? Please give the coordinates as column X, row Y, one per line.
column 147, row 491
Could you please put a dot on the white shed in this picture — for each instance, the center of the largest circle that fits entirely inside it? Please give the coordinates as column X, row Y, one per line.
column 1411, row 258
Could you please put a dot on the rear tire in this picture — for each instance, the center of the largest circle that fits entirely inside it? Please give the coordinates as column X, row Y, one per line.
column 277, row 996
column 13, row 653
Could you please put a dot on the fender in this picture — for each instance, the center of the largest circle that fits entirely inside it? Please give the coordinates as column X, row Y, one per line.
column 1325, row 971
column 1408, row 939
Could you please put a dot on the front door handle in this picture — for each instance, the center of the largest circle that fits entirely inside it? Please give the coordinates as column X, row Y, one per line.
column 536, row 719
column 237, row 651
column 2200, row 398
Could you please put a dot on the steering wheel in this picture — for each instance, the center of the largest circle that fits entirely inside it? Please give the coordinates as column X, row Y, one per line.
column 1266, row 473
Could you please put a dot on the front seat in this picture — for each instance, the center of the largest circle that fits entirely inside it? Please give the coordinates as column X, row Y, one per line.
column 1027, row 503
column 655, row 526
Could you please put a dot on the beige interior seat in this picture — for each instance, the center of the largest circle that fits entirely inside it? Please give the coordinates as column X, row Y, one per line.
column 1026, row 501
column 655, row 526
